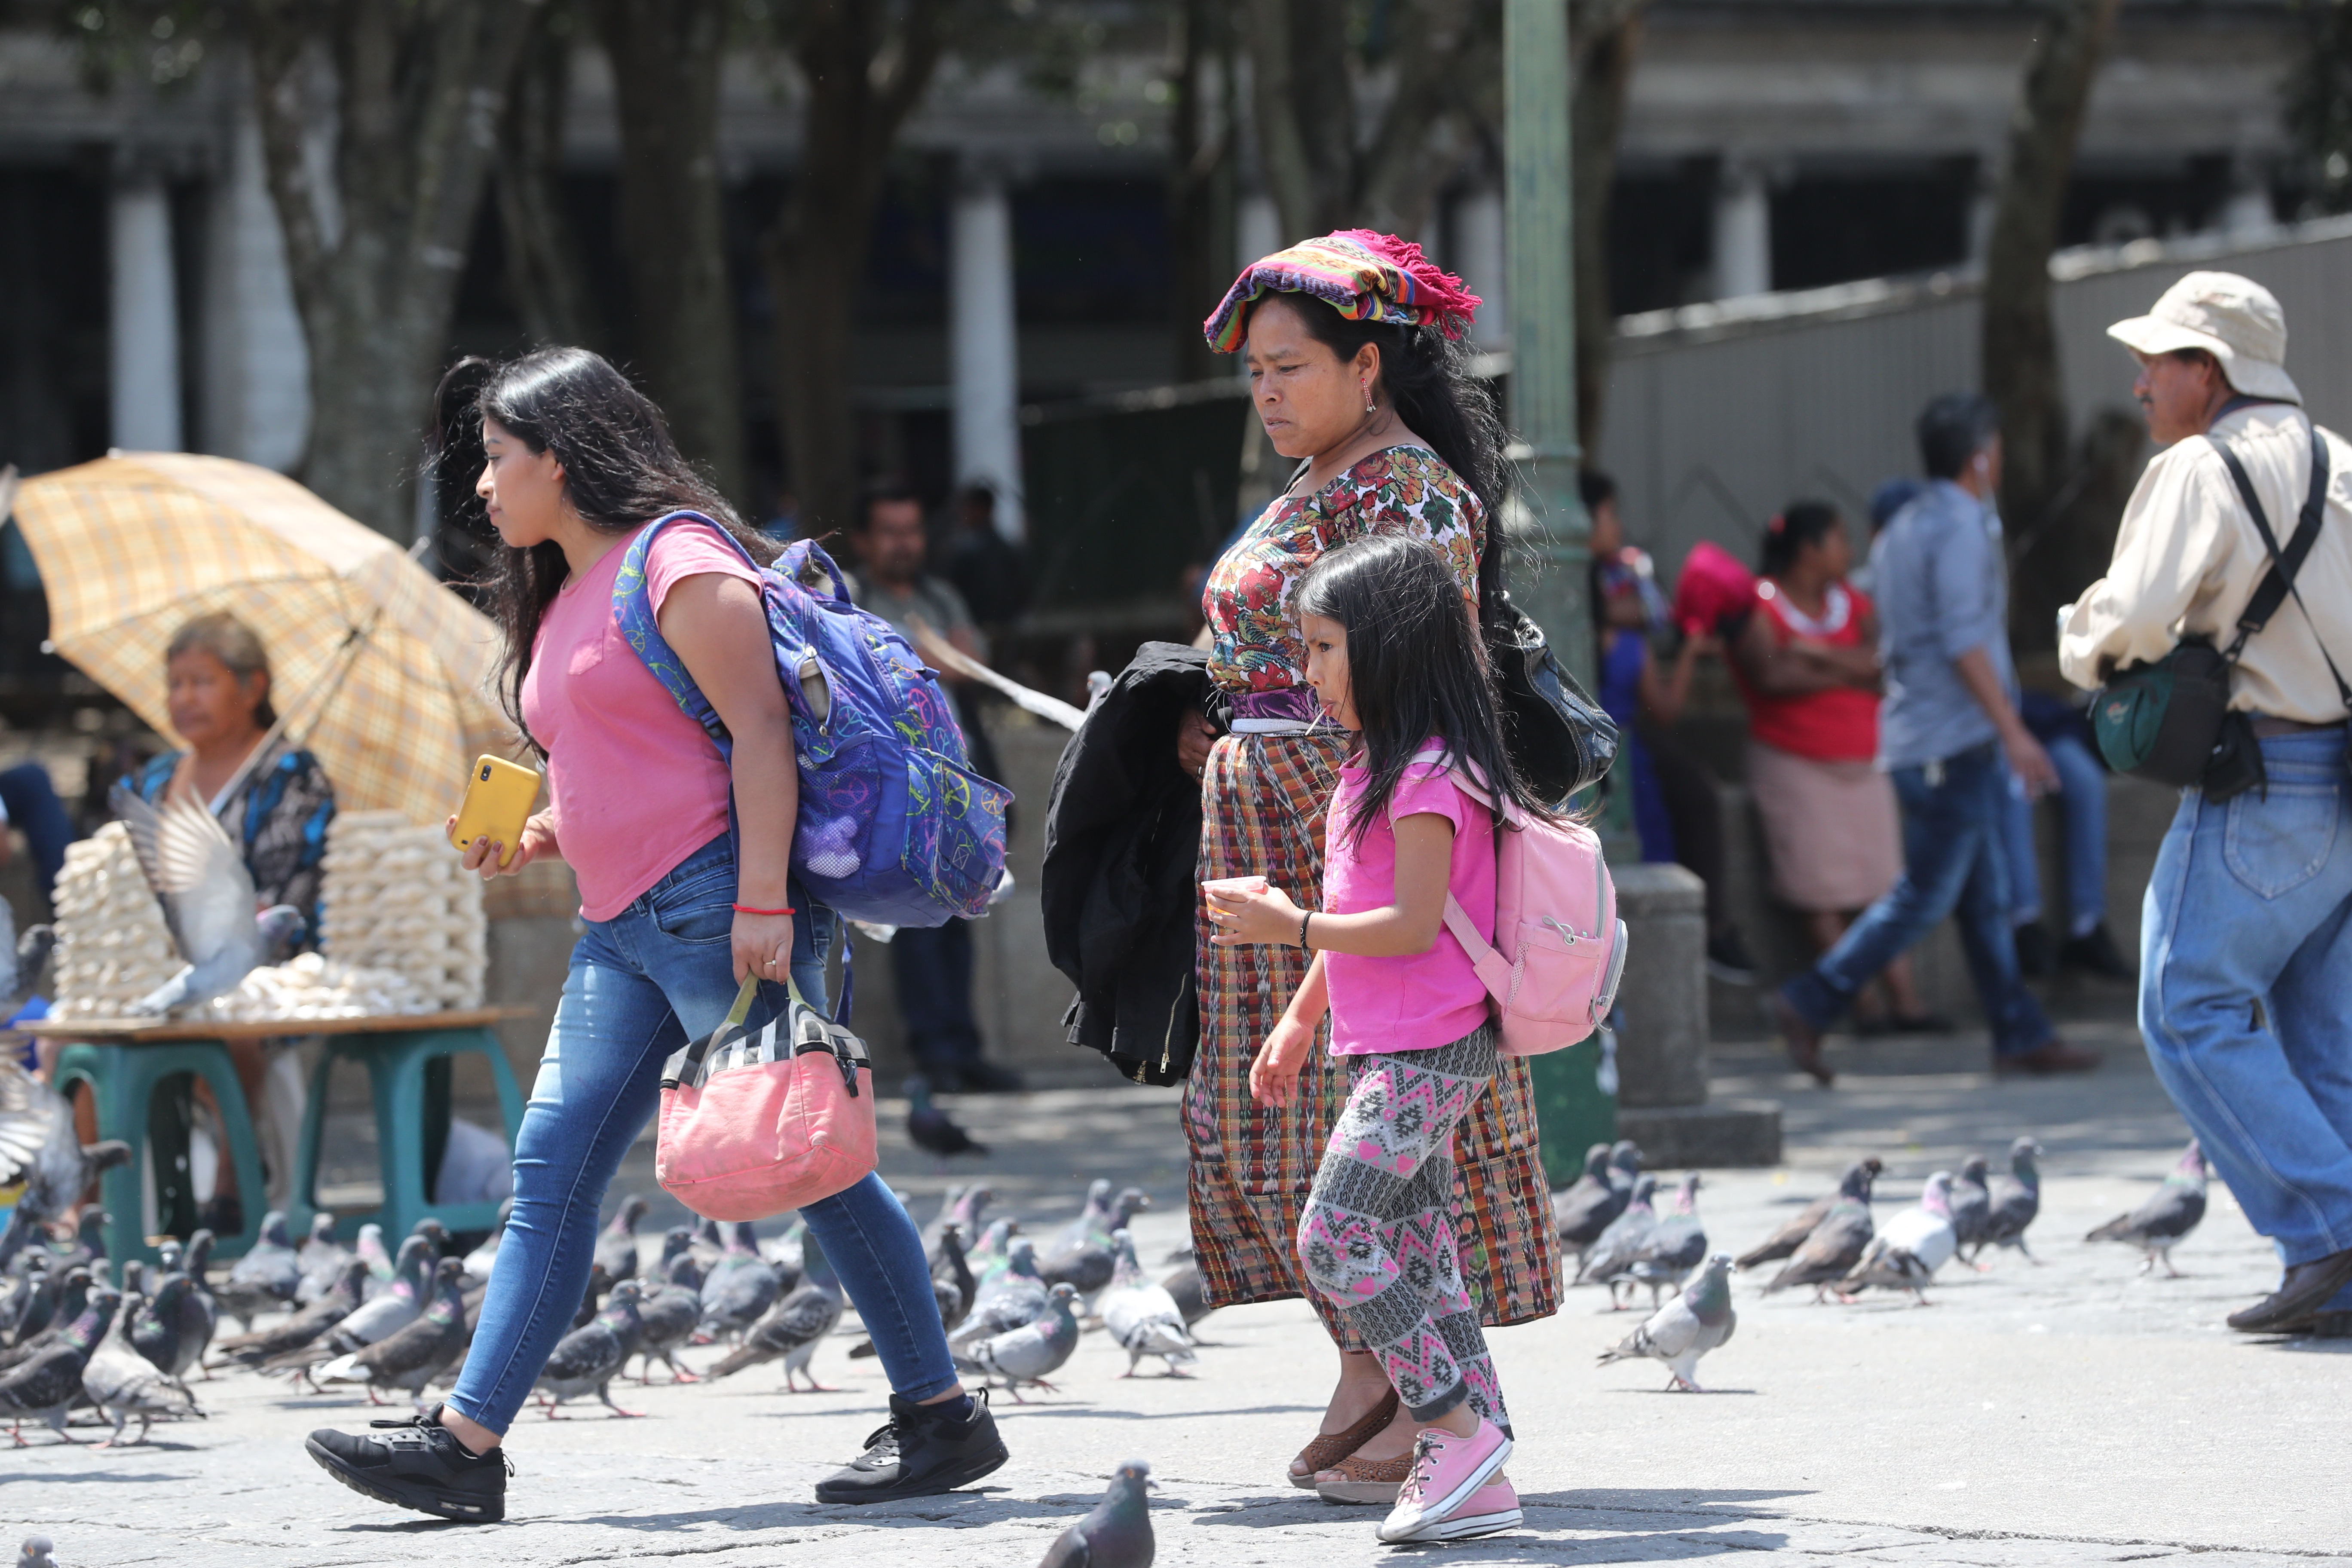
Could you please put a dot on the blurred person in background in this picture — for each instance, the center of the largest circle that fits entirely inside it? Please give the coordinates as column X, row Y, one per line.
column 1807, row 662
column 986, row 567
column 2082, row 802
column 930, row 969
column 29, row 805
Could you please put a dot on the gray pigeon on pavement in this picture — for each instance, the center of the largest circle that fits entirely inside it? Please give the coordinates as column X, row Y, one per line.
column 35, row 1552
column 1905, row 1255
column 251, row 1350
column 320, row 1259
column 1141, row 1316
column 1676, row 1246
column 2164, row 1222
column 199, row 876
column 412, row 1355
column 1082, row 1252
column 738, row 1289
column 66, row 1299
column 667, row 1312
column 48, row 1385
column 2016, row 1203
column 1584, row 1210
column 1011, row 1300
column 1610, row 1259
column 199, row 1314
column 386, row 1315
column 1685, row 1328
column 1116, row 1534
column 586, row 1360
column 265, row 1278
column 153, row 1329
column 1971, row 1201
column 793, row 1326
column 122, row 1382
column 38, row 1148
column 616, row 1248
column 1028, row 1354
column 1836, row 1244
column 962, row 1207
column 31, row 1302
column 1789, row 1236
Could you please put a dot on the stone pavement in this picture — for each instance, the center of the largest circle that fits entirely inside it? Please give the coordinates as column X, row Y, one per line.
column 2053, row 1414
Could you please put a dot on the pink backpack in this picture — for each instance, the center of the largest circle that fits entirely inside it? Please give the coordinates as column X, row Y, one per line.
column 1559, row 949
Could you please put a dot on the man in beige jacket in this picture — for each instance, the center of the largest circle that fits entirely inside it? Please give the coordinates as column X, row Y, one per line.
column 2246, row 931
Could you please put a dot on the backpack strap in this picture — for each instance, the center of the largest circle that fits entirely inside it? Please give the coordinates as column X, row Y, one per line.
column 2279, row 581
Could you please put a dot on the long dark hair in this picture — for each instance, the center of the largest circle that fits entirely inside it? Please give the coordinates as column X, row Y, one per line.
column 621, row 471
column 1416, row 669
column 1426, row 375
column 1801, row 523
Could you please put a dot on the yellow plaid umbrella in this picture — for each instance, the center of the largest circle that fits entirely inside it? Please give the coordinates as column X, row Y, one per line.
column 134, row 545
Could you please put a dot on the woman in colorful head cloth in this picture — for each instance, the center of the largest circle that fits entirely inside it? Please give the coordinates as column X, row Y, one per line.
column 1356, row 366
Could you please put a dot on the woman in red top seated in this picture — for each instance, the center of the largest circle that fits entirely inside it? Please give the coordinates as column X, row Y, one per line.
column 1807, row 661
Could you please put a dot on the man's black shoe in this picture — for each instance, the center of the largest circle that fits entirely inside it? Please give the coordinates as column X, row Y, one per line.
column 2293, row 1307
column 1728, row 960
column 2035, row 958
column 925, row 1450
column 987, row 1078
column 418, row 1464
column 2093, row 953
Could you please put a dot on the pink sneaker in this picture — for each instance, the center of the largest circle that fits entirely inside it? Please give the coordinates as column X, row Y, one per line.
column 1447, row 1474
column 1492, row 1508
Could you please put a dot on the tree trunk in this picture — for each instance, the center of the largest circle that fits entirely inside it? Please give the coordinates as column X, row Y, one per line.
column 1605, row 36
column 863, row 77
column 1201, row 187
column 542, row 249
column 2020, row 349
column 671, row 218
column 411, row 113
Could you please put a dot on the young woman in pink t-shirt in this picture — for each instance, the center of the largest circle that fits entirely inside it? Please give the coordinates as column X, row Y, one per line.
column 1392, row 654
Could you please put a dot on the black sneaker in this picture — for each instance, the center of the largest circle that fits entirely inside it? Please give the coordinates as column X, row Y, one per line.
column 921, row 1453
column 1728, row 960
column 2035, row 958
column 419, row 1464
column 2093, row 953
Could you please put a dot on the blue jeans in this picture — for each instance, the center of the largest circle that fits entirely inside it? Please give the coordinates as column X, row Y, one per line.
column 1954, row 862
column 642, row 983
column 2081, row 839
column 2245, row 991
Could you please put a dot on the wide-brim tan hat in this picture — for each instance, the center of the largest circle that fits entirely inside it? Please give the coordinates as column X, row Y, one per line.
column 2234, row 319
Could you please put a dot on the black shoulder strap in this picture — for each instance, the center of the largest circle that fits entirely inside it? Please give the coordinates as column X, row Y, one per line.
column 2279, row 581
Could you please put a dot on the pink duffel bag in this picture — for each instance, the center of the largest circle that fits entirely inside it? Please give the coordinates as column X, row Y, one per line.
column 754, row 1124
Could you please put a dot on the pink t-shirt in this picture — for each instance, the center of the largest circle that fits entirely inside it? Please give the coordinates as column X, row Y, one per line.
column 1423, row 1001
column 636, row 786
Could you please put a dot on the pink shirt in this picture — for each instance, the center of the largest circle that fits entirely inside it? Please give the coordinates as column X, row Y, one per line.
column 634, row 785
column 1421, row 1001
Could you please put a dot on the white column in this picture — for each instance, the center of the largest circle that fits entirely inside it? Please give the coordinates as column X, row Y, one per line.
column 1984, row 205
column 2248, row 213
column 255, row 362
column 1257, row 229
column 984, row 348
column 1478, row 246
column 1743, row 231
column 145, row 327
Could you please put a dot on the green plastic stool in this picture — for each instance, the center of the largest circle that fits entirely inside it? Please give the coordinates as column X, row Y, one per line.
column 396, row 1065
column 122, row 1079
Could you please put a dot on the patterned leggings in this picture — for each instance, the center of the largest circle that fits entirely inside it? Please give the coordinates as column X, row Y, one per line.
column 1377, row 1235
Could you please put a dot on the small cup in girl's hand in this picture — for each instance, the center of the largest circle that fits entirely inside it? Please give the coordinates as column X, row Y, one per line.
column 1233, row 887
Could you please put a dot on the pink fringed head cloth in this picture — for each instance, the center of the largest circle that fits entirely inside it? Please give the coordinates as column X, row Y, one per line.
column 1366, row 277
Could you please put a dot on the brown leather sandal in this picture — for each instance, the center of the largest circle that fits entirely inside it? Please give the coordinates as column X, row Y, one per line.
column 1356, row 1480
column 1330, row 1448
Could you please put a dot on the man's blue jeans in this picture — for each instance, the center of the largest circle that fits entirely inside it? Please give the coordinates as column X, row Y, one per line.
column 2245, row 991
column 932, row 972
column 1954, row 862
column 642, row 983
column 2082, row 802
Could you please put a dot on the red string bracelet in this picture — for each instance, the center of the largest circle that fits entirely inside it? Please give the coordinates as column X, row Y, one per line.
column 748, row 909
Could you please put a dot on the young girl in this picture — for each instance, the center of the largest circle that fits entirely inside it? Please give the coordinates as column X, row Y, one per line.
column 1393, row 657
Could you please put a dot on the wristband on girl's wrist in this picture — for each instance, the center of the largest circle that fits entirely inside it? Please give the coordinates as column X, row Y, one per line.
column 1304, row 916
column 748, row 909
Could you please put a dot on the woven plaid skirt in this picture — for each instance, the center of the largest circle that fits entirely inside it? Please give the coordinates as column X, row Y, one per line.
column 1264, row 799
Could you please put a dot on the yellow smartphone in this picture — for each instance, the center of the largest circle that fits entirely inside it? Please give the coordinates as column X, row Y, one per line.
column 499, row 798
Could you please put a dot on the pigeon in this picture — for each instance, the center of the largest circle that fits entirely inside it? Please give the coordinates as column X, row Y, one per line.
column 1026, row 1354
column 2164, row 1222
column 89, row 1244
column 1676, row 1246
column 1585, row 1209
column 1915, row 1243
column 1972, row 1202
column 264, row 1278
column 199, row 1313
column 792, row 1328
column 953, row 1294
column 1625, row 1164
column 586, row 1360
column 786, row 1254
column 67, row 1298
column 676, row 1265
column 1082, row 1252
column 1184, row 1287
column 932, row 1129
column 2016, row 1201
column 153, row 1329
column 251, row 1350
column 989, row 1256
column 47, row 1384
column 1116, row 1534
column 199, row 876
column 412, row 1355
column 371, row 1250
column 39, row 1149
column 1142, row 1316
column 1011, row 1300
column 371, row 1320
column 616, row 1248
column 592, row 1296
column 478, row 1261
column 1836, row 1244
column 740, row 1287
column 667, row 1312
column 1789, row 1236
column 1685, row 1328
column 1093, row 1219
column 708, row 1244
column 320, row 1259
column 961, row 1208
column 22, row 959
column 32, row 1299
column 123, row 1382
column 35, row 1552
column 1610, row 1259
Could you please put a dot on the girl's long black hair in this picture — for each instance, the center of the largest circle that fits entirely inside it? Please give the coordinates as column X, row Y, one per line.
column 1427, row 376
column 621, row 471
column 1416, row 668
column 1801, row 523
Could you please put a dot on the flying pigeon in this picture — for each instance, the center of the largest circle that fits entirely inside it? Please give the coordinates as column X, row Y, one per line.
column 2016, row 1201
column 1676, row 1246
column 616, row 1248
column 1685, row 1328
column 1789, row 1236
column 586, row 1360
column 252, row 1350
column 201, row 880
column 123, row 1382
column 1026, row 1354
column 264, row 1278
column 1011, row 1300
column 1118, row 1533
column 930, row 1128
column 1583, row 1211
column 792, row 1328
column 1610, row 1259
column 412, row 1357
column 39, row 1149
column 1972, row 1202
column 1836, row 1244
column 47, row 1384
column 739, row 1288
column 1915, row 1243
column 1141, row 1316
column 2164, row 1222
